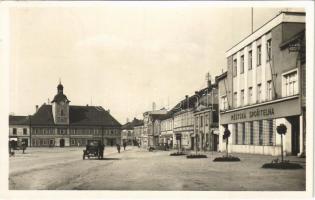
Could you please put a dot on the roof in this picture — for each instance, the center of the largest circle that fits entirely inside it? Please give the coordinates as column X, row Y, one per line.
column 131, row 125
column 18, row 120
column 78, row 116
column 283, row 16
column 221, row 76
column 60, row 97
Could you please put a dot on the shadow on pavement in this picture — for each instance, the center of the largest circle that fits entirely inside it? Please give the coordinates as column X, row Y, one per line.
column 110, row 159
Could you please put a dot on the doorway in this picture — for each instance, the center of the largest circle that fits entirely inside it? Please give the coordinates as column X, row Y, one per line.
column 192, row 143
column 62, row 142
column 295, row 134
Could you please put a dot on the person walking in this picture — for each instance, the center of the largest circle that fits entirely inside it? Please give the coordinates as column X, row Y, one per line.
column 125, row 144
column 118, row 148
column 23, row 146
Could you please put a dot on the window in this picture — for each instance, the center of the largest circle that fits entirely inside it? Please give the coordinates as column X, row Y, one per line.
column 271, row 132
column 259, row 55
column 235, row 99
column 269, row 50
column 250, row 95
column 259, row 93
column 243, row 133
column 224, row 103
column 269, row 90
column 260, row 132
column 234, row 67
column 236, row 133
column 201, row 121
column 250, row 60
column 291, row 84
column 206, row 120
column 61, row 113
column 242, row 64
column 24, row 131
column 251, row 132
column 14, row 131
column 242, row 97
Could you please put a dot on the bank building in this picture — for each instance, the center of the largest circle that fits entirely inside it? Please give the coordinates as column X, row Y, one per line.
column 264, row 86
column 61, row 124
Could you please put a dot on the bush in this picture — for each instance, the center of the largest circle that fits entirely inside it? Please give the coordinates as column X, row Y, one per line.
column 282, row 165
column 227, row 159
column 196, row 156
column 177, row 154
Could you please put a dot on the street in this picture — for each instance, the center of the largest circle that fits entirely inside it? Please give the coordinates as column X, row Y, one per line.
column 138, row 169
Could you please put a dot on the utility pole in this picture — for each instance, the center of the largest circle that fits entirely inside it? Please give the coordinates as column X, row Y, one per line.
column 252, row 18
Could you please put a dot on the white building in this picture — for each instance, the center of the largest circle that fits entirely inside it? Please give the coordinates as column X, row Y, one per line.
column 263, row 87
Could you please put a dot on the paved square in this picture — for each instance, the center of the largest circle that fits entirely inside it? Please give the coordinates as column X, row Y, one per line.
column 138, row 169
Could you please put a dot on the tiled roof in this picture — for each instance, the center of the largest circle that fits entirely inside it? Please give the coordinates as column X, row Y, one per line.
column 18, row 120
column 130, row 125
column 78, row 115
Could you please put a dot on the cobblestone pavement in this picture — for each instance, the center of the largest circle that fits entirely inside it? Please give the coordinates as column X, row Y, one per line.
column 138, row 169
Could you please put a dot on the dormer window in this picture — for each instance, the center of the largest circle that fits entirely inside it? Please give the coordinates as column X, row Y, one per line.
column 62, row 113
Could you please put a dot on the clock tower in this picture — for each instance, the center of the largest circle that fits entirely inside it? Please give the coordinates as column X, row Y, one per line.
column 60, row 106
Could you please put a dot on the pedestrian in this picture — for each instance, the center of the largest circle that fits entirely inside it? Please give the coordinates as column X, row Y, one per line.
column 100, row 150
column 118, row 148
column 23, row 146
column 125, row 144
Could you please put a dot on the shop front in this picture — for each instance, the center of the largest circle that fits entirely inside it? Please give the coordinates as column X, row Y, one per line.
column 253, row 128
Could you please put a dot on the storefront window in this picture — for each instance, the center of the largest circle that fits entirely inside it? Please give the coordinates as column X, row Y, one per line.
column 251, row 131
column 243, row 133
column 260, row 132
column 236, row 133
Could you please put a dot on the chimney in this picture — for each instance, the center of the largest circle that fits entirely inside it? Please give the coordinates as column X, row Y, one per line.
column 153, row 106
column 36, row 108
column 127, row 120
column 108, row 111
column 187, row 101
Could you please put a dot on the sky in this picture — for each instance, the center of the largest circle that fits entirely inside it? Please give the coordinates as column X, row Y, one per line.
column 121, row 56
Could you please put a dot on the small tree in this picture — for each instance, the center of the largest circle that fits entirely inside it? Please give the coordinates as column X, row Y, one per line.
column 226, row 136
column 281, row 129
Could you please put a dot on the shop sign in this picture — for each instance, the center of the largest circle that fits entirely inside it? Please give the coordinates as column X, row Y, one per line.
column 288, row 107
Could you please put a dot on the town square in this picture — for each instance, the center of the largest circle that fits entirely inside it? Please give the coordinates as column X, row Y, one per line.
column 157, row 96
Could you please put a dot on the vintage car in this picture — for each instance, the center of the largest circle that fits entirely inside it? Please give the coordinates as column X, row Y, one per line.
column 92, row 149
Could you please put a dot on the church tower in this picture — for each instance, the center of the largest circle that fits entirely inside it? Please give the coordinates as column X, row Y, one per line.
column 60, row 106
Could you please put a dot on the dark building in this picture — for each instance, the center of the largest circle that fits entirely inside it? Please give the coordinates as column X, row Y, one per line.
column 61, row 124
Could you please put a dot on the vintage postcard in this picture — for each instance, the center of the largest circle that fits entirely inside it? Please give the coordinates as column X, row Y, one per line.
column 156, row 99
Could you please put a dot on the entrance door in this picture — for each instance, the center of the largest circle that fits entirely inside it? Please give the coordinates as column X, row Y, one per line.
column 192, row 143
column 295, row 137
column 62, row 142
column 215, row 142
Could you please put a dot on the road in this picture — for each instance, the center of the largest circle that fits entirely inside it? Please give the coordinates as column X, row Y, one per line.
column 138, row 169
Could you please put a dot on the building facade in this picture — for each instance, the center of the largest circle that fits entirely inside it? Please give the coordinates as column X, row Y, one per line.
column 19, row 129
column 62, row 124
column 128, row 134
column 167, row 133
column 206, row 119
column 151, row 124
column 138, row 133
column 262, row 88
